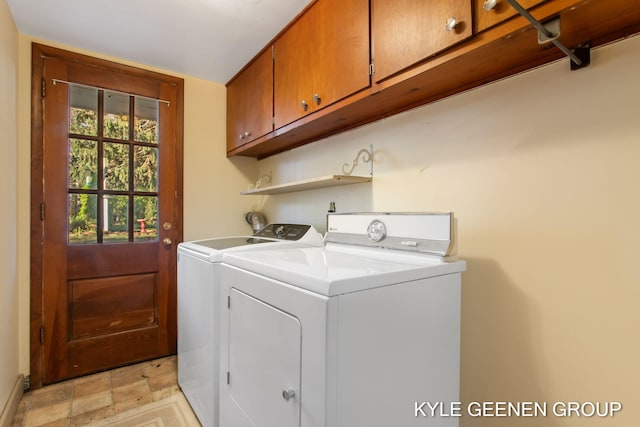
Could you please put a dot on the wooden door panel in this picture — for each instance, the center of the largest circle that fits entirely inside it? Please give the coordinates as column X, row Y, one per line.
column 324, row 53
column 405, row 32
column 340, row 65
column 259, row 107
column 107, row 304
column 97, row 260
column 250, row 102
column 292, row 71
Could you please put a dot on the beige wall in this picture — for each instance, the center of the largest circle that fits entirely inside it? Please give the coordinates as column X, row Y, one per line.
column 212, row 183
column 542, row 172
column 8, row 194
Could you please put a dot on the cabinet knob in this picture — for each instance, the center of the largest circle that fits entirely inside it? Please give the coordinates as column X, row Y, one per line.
column 304, row 104
column 489, row 4
column 241, row 136
column 451, row 24
column 317, row 99
column 247, row 134
column 288, row 394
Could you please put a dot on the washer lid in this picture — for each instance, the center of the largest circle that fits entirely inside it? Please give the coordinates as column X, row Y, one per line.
column 338, row 269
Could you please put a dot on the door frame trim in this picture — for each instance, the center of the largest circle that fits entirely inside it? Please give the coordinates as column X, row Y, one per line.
column 39, row 53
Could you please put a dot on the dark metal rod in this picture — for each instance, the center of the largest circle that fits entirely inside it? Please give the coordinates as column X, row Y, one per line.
column 522, row 11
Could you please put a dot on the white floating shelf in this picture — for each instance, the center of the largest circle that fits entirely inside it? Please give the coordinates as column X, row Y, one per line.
column 309, row 184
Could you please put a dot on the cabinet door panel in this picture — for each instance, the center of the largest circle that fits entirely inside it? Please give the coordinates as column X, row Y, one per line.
column 326, row 52
column 292, row 71
column 405, row 32
column 484, row 19
column 250, row 102
column 341, row 59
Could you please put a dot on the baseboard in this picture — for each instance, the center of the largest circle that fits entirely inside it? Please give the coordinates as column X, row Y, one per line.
column 6, row 418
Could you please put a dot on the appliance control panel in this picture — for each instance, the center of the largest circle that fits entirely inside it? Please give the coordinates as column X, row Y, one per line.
column 283, row 231
column 417, row 232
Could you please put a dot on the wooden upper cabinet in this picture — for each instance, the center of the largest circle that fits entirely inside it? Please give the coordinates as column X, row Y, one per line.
column 250, row 102
column 488, row 13
column 322, row 58
column 406, row 32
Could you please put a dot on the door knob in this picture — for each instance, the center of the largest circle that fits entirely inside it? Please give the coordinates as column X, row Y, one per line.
column 167, row 226
column 167, row 241
column 489, row 4
column 288, row 394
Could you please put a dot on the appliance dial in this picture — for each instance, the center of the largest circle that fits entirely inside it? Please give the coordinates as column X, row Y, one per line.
column 376, row 230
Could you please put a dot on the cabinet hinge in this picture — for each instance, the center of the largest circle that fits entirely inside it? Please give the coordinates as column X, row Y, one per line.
column 273, row 53
column 42, row 335
column 273, row 120
column 372, row 69
column 43, row 87
column 42, row 211
column 228, row 377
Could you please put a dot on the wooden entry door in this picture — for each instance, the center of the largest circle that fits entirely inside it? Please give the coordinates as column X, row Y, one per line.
column 106, row 191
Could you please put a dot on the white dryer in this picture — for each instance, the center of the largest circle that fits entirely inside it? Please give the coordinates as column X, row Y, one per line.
column 198, row 307
column 351, row 334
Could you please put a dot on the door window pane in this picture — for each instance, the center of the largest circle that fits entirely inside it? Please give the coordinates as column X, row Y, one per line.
column 116, row 115
column 83, row 218
column 145, row 168
column 83, row 110
column 83, row 164
column 146, row 120
column 116, row 219
column 116, row 166
column 146, row 217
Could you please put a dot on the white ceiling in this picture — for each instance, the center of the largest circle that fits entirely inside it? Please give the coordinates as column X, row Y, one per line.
column 210, row 39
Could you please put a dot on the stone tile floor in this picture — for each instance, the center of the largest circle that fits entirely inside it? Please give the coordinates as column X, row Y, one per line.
column 84, row 400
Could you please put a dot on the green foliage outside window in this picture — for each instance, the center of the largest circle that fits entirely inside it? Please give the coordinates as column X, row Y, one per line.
column 83, row 174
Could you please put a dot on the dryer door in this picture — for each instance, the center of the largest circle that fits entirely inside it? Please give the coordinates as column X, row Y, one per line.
column 264, row 362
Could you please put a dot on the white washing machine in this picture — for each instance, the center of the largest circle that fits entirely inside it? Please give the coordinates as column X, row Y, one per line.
column 198, row 307
column 349, row 335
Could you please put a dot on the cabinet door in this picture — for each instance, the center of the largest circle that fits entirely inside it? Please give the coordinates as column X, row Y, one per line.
column 250, row 102
column 321, row 59
column 502, row 10
column 405, row 32
column 264, row 361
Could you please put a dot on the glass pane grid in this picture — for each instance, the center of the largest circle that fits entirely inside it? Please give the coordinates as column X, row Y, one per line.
column 113, row 171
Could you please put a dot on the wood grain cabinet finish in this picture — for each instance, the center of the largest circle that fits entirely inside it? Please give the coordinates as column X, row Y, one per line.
column 417, row 61
column 406, row 32
column 250, row 102
column 488, row 13
column 322, row 58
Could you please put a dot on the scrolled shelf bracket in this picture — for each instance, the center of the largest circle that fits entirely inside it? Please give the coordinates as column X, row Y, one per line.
column 366, row 155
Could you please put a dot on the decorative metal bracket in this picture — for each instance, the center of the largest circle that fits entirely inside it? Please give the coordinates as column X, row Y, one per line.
column 367, row 157
column 264, row 179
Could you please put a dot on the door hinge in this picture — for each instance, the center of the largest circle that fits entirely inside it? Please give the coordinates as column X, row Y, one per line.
column 372, row 69
column 44, row 87
column 228, row 377
column 42, row 211
column 42, row 335
column 229, row 302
